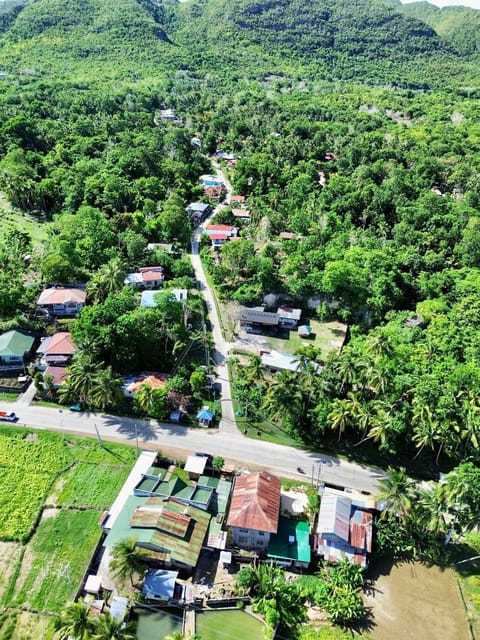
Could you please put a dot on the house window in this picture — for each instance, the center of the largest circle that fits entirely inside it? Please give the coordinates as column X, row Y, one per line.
column 243, row 530
column 261, row 533
column 243, row 539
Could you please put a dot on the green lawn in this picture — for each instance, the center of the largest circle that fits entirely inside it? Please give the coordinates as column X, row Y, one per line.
column 91, row 485
column 234, row 624
column 327, row 336
column 13, row 219
column 56, row 559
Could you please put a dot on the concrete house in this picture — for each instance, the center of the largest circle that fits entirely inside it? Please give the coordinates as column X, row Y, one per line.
column 221, row 233
column 198, row 211
column 15, row 348
column 254, row 510
column 57, row 349
column 146, row 278
column 62, row 301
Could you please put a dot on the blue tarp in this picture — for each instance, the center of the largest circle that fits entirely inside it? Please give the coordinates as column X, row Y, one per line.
column 159, row 584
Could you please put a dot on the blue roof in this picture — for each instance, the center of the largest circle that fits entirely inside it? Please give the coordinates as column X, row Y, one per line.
column 205, row 414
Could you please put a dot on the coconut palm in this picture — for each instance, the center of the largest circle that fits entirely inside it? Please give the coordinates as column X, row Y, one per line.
column 108, row 628
column 108, row 279
column 74, row 622
column 344, row 413
column 105, row 389
column 83, row 373
column 433, row 508
column 399, row 493
column 127, row 559
column 283, row 396
column 254, row 371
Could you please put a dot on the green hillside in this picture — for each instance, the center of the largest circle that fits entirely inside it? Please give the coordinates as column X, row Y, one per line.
column 369, row 41
column 458, row 25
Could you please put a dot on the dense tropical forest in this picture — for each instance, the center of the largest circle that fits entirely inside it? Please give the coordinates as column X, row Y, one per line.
column 350, row 133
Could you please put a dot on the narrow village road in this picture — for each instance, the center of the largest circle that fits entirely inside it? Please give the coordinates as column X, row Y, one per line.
column 220, row 355
column 226, row 441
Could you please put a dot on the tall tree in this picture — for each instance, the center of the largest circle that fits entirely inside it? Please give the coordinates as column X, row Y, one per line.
column 74, row 622
column 128, row 559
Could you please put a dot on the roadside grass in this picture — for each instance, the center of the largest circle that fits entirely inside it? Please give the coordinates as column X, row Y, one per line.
column 8, row 397
column 468, row 575
column 56, row 560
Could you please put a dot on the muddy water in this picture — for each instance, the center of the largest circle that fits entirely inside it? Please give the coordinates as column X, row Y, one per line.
column 413, row 601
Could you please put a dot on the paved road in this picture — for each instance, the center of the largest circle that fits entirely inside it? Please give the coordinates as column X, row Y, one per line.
column 280, row 460
column 227, row 423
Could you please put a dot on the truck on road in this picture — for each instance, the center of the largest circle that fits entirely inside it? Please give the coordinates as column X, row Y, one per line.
column 8, row 416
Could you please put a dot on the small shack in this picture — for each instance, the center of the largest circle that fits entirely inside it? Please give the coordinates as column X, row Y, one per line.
column 195, row 466
column 205, row 417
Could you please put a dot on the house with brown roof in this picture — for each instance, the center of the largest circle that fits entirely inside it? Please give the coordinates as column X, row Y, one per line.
column 254, row 510
column 221, row 233
column 62, row 301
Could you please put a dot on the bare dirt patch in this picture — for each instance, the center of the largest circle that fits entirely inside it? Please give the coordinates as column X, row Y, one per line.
column 411, row 600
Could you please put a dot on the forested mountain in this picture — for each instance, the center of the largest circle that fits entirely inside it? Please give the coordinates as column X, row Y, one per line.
column 367, row 40
column 458, row 25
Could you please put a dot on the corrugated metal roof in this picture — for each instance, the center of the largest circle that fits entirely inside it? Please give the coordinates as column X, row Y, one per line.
column 62, row 296
column 334, row 515
column 361, row 530
column 255, row 502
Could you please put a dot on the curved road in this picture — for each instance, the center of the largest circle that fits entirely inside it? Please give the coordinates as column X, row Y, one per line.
column 226, row 441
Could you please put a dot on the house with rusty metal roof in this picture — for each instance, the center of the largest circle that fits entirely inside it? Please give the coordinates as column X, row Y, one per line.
column 344, row 529
column 254, row 510
column 172, row 531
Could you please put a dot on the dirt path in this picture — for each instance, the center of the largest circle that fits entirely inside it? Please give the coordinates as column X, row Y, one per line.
column 414, row 601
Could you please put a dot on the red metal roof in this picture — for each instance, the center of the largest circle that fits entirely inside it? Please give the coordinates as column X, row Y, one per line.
column 361, row 530
column 219, row 227
column 219, row 236
column 61, row 296
column 60, row 344
column 255, row 502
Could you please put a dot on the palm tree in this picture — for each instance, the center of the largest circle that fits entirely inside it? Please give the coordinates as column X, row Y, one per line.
column 434, row 509
column 145, row 399
column 74, row 622
column 83, row 372
column 106, row 389
column 254, row 371
column 107, row 628
column 127, row 558
column 283, row 396
column 398, row 493
column 108, row 279
column 344, row 412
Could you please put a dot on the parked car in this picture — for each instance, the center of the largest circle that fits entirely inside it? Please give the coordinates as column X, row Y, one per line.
column 8, row 416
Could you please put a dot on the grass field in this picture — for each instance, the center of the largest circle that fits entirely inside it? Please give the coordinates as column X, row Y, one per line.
column 327, row 336
column 12, row 219
column 214, row 625
column 52, row 493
